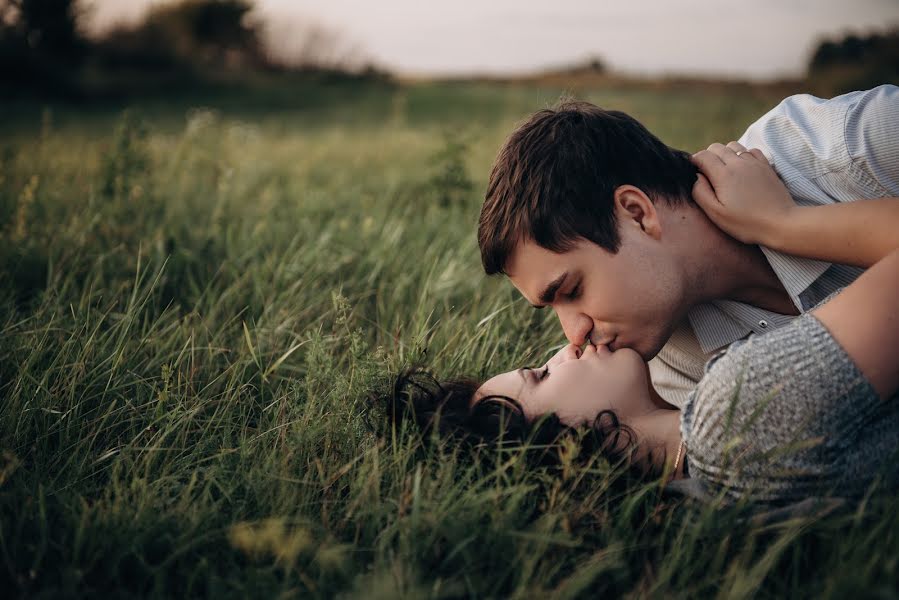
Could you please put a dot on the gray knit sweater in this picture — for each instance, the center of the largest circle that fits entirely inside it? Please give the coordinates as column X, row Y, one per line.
column 786, row 416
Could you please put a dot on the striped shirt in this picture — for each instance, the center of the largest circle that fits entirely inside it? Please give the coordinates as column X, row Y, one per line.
column 825, row 151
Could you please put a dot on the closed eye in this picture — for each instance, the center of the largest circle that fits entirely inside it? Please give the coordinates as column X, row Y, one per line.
column 539, row 375
column 575, row 292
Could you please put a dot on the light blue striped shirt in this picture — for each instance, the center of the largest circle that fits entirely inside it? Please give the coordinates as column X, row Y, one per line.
column 825, row 151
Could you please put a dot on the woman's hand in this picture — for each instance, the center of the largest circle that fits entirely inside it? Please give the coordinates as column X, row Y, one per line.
column 740, row 192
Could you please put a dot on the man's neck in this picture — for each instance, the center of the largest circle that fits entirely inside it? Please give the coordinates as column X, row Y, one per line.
column 725, row 269
column 758, row 284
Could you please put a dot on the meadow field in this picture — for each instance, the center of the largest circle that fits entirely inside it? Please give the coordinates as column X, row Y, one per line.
column 199, row 298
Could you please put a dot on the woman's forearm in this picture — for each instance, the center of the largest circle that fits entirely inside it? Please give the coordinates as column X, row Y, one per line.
column 855, row 233
column 864, row 320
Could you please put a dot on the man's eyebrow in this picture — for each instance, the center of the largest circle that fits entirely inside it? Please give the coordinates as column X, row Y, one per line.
column 549, row 292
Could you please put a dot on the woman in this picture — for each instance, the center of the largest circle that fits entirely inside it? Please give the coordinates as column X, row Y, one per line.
column 805, row 410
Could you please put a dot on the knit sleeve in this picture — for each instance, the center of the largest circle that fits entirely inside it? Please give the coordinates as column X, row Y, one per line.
column 774, row 412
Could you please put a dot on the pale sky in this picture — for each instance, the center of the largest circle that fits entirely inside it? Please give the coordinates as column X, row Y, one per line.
column 738, row 38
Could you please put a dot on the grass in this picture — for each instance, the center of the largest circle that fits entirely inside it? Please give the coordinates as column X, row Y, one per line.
column 197, row 303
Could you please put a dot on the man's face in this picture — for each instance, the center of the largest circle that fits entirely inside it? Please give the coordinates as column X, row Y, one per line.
column 631, row 299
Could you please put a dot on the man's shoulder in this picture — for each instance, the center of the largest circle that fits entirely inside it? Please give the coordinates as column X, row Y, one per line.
column 803, row 136
column 806, row 112
column 829, row 150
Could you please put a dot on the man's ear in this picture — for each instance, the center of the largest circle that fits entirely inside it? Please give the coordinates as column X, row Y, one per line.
column 635, row 209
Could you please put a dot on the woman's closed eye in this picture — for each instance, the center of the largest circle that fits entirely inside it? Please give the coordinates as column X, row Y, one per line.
column 537, row 373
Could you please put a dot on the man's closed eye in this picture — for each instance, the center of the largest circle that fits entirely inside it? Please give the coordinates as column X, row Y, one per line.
column 575, row 292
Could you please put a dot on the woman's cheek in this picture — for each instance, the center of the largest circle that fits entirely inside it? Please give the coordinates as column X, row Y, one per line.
column 561, row 400
column 538, row 405
column 579, row 409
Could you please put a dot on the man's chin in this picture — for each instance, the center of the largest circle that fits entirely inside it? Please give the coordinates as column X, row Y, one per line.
column 646, row 348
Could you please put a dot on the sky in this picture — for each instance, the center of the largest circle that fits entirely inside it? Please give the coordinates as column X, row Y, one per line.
column 757, row 39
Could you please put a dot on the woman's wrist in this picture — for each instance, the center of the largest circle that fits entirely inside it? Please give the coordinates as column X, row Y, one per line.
column 780, row 228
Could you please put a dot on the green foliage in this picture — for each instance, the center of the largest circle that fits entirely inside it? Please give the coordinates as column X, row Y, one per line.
column 126, row 161
column 213, row 299
column 451, row 182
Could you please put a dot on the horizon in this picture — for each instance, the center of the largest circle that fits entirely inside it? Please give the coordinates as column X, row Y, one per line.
column 512, row 38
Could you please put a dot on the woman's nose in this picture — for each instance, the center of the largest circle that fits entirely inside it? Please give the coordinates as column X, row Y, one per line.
column 569, row 352
column 572, row 352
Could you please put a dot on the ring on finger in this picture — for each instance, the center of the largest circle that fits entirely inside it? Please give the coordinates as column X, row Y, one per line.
column 739, row 152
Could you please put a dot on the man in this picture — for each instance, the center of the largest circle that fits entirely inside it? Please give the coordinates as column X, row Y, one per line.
column 589, row 213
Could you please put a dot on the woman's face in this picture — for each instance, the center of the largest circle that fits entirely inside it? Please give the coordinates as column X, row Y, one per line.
column 577, row 385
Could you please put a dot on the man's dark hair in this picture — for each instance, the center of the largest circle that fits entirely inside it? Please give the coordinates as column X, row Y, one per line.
column 554, row 180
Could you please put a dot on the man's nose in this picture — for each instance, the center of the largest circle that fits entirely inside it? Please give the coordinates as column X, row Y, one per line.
column 575, row 325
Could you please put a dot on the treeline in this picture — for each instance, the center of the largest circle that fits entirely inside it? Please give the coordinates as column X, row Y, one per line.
column 856, row 62
column 44, row 48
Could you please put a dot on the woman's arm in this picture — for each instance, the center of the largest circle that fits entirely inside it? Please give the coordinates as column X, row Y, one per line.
column 854, row 233
column 864, row 319
column 744, row 197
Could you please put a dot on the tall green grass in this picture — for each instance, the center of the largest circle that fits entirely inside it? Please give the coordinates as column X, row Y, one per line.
column 196, row 306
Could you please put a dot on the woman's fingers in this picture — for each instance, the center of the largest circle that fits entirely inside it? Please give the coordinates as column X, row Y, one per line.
column 743, row 152
column 720, row 163
column 711, row 165
column 759, row 155
column 705, row 196
column 735, row 150
column 737, row 147
column 723, row 152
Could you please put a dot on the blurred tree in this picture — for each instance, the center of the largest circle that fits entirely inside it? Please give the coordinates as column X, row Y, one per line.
column 40, row 44
column 211, row 32
column 856, row 62
column 179, row 42
column 201, row 33
column 47, row 27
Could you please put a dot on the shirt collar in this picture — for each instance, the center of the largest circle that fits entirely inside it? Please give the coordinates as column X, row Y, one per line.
column 714, row 328
column 721, row 322
column 795, row 273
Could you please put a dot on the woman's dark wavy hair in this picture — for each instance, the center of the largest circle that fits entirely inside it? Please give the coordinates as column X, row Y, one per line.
column 444, row 410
